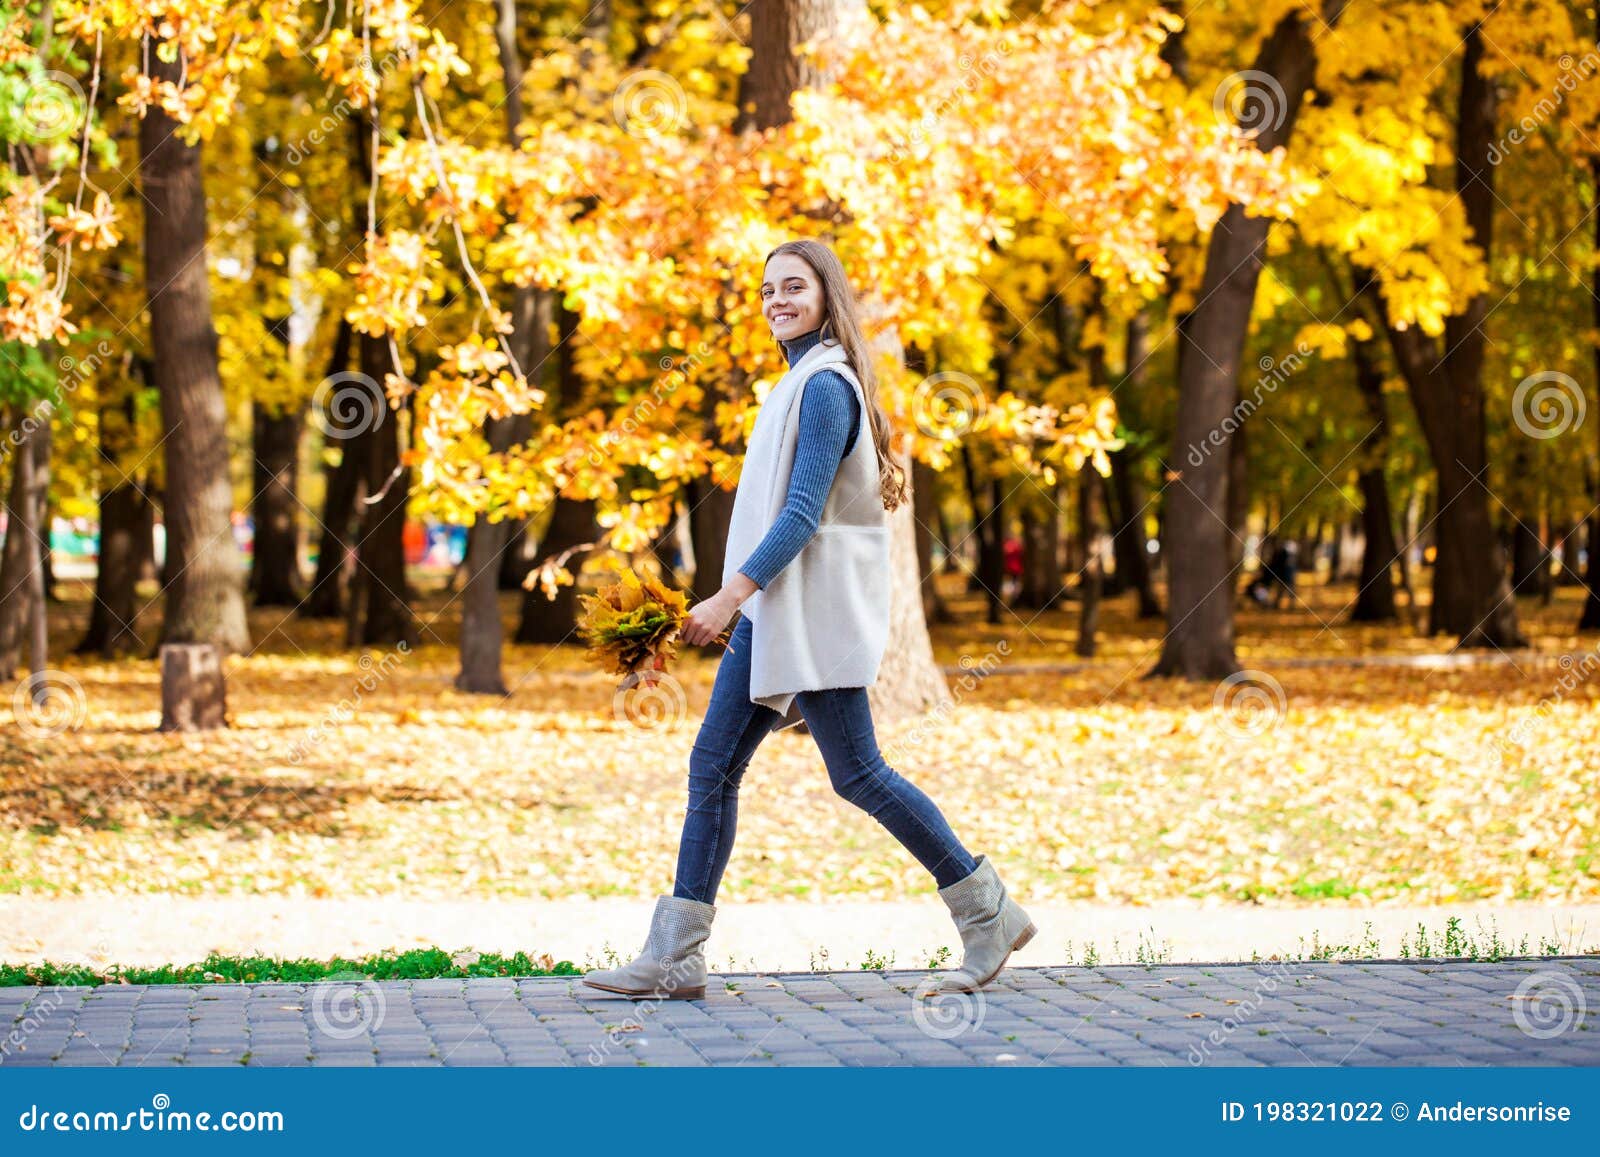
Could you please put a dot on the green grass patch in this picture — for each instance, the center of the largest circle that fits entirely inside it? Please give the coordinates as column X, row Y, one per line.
column 418, row 964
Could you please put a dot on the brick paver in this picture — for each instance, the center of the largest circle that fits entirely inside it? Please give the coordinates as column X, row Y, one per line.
column 1522, row 1012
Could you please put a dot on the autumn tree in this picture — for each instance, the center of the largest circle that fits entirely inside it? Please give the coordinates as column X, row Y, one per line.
column 205, row 593
column 1199, row 640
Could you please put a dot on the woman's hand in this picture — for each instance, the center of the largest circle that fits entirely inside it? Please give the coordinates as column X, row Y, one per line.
column 707, row 619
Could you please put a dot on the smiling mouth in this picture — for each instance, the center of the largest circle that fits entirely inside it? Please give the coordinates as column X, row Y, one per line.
column 780, row 318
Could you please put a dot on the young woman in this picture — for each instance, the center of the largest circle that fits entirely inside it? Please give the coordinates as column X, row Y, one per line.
column 807, row 566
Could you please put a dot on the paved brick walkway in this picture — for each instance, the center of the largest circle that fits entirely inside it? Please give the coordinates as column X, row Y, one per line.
column 1517, row 1012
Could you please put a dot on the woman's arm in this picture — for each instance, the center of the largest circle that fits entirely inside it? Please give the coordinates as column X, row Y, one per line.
column 829, row 416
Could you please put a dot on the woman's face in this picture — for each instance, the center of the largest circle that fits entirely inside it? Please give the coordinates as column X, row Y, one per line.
column 791, row 297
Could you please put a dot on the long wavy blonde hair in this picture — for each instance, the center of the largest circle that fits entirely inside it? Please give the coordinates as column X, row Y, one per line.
column 841, row 323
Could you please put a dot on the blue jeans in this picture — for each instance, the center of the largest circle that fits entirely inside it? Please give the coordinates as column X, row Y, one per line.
column 841, row 723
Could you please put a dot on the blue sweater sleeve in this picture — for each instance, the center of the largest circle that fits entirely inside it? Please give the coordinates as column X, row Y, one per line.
column 830, row 419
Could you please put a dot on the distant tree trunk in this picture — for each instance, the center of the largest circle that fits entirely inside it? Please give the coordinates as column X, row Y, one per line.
column 205, row 597
column 1041, row 587
column 1530, row 561
column 555, row 620
column 515, row 562
column 482, row 633
column 1564, row 538
column 909, row 680
column 327, row 597
column 710, row 509
column 125, row 512
column 1238, row 492
column 1199, row 640
column 572, row 520
column 275, row 578
column 1471, row 594
column 989, row 521
column 124, row 517
column 1590, row 619
column 952, row 560
column 38, row 580
column 25, row 506
column 1091, row 577
column 1311, row 550
column 1337, row 531
column 385, row 616
column 934, row 607
column 776, row 71
column 47, row 555
column 1132, row 545
column 1375, row 581
column 989, row 530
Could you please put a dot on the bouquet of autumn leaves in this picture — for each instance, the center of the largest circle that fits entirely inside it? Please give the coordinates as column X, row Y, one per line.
column 632, row 625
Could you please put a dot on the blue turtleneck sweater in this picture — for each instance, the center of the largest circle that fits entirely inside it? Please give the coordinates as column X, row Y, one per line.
column 830, row 417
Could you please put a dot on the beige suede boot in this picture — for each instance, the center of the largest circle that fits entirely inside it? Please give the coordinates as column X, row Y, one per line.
column 992, row 926
column 672, row 965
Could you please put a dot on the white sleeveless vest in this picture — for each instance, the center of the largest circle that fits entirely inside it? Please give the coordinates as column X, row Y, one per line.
column 823, row 621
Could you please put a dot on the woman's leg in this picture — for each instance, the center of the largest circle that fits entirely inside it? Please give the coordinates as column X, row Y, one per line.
column 841, row 722
column 733, row 728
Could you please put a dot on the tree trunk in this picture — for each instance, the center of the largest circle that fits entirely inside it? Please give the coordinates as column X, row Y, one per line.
column 989, row 530
column 193, row 694
column 555, row 620
column 275, row 578
column 38, row 579
column 710, row 509
column 205, row 597
column 1471, row 594
column 572, row 520
column 1198, row 550
column 482, row 633
column 910, row 682
column 1132, row 545
column 952, row 561
column 1090, row 578
column 1530, row 561
column 776, row 70
column 47, row 554
column 1311, row 551
column 25, row 506
column 1238, row 492
column 934, row 607
column 384, row 617
column 989, row 519
column 328, row 594
column 124, row 517
column 1590, row 619
column 1041, row 587
column 1375, row 594
column 1564, row 541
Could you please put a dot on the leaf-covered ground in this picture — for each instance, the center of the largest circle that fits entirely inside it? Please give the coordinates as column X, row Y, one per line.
column 344, row 776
